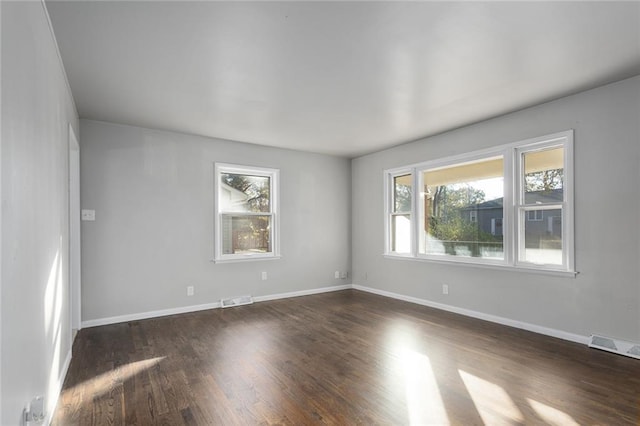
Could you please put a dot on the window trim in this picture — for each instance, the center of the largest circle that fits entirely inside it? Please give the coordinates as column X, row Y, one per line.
column 389, row 176
column 274, row 194
column 564, row 140
column 513, row 203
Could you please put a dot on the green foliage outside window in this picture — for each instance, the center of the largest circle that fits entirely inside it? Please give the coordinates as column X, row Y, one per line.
column 449, row 215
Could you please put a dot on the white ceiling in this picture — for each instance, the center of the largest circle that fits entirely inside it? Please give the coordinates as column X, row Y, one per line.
column 343, row 78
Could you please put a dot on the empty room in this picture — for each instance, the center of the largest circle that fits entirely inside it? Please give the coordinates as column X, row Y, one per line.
column 319, row 212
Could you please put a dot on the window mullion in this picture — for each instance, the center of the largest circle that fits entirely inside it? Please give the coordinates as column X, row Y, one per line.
column 509, row 210
column 416, row 197
column 517, row 238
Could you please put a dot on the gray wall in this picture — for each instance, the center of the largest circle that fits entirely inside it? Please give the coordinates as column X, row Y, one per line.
column 153, row 234
column 605, row 296
column 36, row 110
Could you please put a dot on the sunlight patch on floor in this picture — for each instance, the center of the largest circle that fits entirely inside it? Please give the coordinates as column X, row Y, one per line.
column 493, row 403
column 551, row 416
column 104, row 382
column 424, row 402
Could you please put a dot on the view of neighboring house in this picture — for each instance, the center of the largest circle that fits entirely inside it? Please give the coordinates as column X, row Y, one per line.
column 241, row 232
column 543, row 227
column 232, row 200
column 488, row 216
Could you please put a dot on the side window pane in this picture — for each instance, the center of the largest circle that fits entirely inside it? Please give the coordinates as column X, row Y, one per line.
column 245, row 193
column 245, row 234
column 543, row 238
column 402, row 193
column 400, row 214
column 544, row 176
column 401, row 233
column 463, row 208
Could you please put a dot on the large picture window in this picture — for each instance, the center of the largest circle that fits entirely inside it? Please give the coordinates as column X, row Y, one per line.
column 508, row 206
column 246, row 204
column 460, row 203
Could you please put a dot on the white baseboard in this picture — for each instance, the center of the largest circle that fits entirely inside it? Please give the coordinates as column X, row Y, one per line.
column 149, row 314
column 195, row 308
column 480, row 315
column 58, row 389
column 301, row 293
column 462, row 311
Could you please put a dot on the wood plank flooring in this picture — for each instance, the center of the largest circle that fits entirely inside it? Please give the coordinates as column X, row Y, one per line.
column 340, row 358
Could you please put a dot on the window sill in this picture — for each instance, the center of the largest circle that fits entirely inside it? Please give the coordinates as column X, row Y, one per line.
column 245, row 259
column 494, row 266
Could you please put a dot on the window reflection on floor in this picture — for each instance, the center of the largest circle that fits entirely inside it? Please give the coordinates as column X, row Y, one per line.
column 424, row 402
column 494, row 405
column 551, row 416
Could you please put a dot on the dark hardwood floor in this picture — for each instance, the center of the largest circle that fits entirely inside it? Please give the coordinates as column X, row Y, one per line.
column 340, row 358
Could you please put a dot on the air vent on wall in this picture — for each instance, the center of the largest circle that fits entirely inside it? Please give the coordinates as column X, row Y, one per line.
column 616, row 346
column 236, row 301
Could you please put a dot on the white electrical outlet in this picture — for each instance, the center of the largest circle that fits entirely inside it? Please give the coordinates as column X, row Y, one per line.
column 264, row 275
column 344, row 275
column 34, row 412
column 190, row 290
column 337, row 274
column 445, row 289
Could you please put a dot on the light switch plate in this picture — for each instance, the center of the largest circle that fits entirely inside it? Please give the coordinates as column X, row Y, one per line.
column 88, row 215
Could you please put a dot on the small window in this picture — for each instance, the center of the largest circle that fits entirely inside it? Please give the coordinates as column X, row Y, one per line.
column 473, row 216
column 401, row 213
column 542, row 195
column 246, row 203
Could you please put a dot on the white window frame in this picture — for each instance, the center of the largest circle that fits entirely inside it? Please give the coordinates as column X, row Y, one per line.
column 274, row 232
column 514, row 216
column 389, row 208
column 566, row 205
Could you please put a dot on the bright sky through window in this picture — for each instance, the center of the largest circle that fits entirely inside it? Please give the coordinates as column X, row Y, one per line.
column 493, row 188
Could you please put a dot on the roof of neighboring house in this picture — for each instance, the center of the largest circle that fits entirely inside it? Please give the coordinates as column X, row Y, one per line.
column 553, row 196
column 233, row 190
